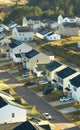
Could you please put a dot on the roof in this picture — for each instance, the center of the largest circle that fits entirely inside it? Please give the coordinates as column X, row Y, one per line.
column 31, row 53
column 9, row 23
column 53, row 65
column 66, row 72
column 18, row 55
column 43, row 31
column 69, row 16
column 35, row 18
column 23, row 29
column 46, row 126
column 50, row 34
column 2, row 102
column 75, row 81
column 14, row 43
column 28, row 125
column 71, row 25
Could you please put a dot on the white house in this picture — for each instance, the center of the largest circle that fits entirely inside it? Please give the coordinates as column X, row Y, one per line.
column 42, row 33
column 18, row 47
column 74, row 87
column 51, row 68
column 1, row 27
column 9, row 25
column 53, row 36
column 22, row 34
column 66, row 18
column 11, row 112
column 78, row 19
column 52, row 24
column 32, row 22
column 63, row 76
column 34, row 57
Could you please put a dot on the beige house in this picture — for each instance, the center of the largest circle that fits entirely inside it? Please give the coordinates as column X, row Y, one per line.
column 69, row 29
column 34, row 57
column 63, row 76
column 52, row 68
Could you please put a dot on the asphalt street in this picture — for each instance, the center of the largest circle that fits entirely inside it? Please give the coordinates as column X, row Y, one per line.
column 41, row 105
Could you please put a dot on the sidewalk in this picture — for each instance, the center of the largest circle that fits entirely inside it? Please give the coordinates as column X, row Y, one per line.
column 68, row 110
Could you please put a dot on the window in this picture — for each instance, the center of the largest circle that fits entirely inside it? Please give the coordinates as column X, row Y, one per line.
column 37, row 61
column 74, row 89
column 13, row 114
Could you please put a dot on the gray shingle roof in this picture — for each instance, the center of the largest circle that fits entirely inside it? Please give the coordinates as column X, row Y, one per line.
column 14, row 43
column 43, row 31
column 35, row 18
column 2, row 102
column 23, row 29
column 66, row 72
column 31, row 53
column 53, row 65
column 76, row 81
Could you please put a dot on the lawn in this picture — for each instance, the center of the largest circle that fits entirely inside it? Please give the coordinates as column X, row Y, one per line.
column 74, row 116
column 62, row 106
column 54, row 96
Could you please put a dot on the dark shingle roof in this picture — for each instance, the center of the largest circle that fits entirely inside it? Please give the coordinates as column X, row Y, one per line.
column 46, row 126
column 66, row 72
column 43, row 31
column 23, row 29
column 18, row 55
column 35, row 18
column 50, row 34
column 2, row 102
column 71, row 25
column 76, row 81
column 53, row 65
column 14, row 43
column 28, row 126
column 31, row 53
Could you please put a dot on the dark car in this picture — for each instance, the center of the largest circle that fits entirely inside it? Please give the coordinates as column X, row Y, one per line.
column 29, row 83
column 48, row 90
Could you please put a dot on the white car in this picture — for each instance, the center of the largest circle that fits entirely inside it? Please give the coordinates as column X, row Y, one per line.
column 26, row 74
column 47, row 116
column 65, row 98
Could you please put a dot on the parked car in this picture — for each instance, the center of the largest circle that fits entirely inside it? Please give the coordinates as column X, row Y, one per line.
column 47, row 116
column 29, row 83
column 42, row 81
column 35, row 119
column 26, row 74
column 48, row 90
column 65, row 98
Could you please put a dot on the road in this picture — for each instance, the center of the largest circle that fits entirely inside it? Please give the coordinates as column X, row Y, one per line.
column 41, row 105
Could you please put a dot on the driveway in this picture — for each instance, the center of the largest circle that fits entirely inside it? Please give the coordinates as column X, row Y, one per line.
column 41, row 105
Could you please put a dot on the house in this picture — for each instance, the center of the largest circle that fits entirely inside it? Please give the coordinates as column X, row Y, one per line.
column 32, row 22
column 1, row 27
column 42, row 33
column 63, row 76
column 17, row 47
column 74, row 87
column 49, row 23
column 66, row 18
column 51, row 68
column 4, row 94
column 22, row 34
column 11, row 112
column 53, row 36
column 29, row 125
column 69, row 29
column 34, row 57
column 9, row 25
column 78, row 19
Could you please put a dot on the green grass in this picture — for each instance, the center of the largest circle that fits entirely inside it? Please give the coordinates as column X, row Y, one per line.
column 52, row 96
column 74, row 116
column 64, row 106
